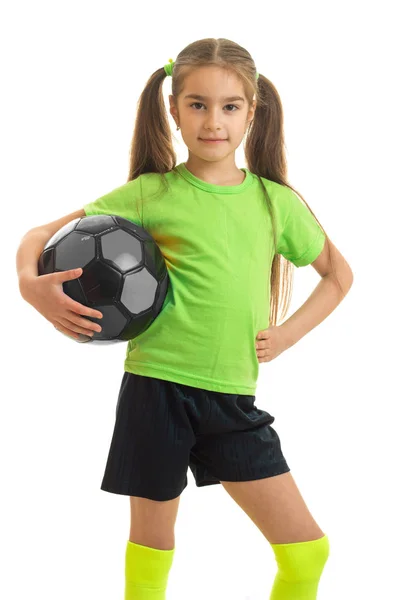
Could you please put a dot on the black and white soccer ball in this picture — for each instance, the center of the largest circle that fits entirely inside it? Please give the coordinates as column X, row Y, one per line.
column 124, row 274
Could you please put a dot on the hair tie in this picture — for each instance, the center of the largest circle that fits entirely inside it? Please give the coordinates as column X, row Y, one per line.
column 168, row 68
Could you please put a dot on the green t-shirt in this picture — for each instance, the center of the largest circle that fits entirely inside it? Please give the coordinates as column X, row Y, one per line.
column 218, row 248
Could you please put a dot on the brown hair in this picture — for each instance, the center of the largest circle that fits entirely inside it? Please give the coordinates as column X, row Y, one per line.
column 152, row 148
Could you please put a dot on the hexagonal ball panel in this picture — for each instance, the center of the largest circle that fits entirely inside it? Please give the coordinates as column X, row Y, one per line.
column 138, row 291
column 154, row 260
column 112, row 323
column 101, row 283
column 61, row 233
column 74, row 290
column 136, row 229
column 124, row 250
column 138, row 325
column 95, row 224
column 76, row 250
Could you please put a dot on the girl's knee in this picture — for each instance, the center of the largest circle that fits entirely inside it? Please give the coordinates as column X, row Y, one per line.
column 302, row 561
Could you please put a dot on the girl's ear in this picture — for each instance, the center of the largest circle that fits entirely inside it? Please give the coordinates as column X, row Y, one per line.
column 172, row 107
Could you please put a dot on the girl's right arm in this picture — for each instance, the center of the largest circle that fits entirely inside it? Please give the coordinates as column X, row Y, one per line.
column 45, row 292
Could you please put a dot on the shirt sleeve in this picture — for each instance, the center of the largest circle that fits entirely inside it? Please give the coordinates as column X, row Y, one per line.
column 124, row 201
column 301, row 238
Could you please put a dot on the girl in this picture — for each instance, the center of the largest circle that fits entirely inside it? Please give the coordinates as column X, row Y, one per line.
column 230, row 237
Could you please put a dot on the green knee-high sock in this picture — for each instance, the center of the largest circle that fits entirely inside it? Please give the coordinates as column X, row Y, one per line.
column 300, row 567
column 146, row 572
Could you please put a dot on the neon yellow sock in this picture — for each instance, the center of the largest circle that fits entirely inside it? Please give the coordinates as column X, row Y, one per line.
column 146, row 572
column 300, row 568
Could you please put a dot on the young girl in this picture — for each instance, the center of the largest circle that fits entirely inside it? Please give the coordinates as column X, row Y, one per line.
column 230, row 237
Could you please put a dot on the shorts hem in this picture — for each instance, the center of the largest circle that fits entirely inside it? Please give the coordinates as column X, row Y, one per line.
column 204, row 483
column 278, row 469
column 169, row 495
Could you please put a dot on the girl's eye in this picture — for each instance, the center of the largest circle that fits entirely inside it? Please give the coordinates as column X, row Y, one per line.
column 200, row 104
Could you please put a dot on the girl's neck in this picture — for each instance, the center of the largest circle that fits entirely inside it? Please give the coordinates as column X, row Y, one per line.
column 216, row 173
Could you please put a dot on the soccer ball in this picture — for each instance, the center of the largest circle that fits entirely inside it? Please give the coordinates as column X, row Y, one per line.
column 124, row 274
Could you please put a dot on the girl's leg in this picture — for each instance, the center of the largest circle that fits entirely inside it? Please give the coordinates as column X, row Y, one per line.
column 150, row 549
column 301, row 548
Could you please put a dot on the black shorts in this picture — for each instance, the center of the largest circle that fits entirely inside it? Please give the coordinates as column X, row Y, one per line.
column 162, row 427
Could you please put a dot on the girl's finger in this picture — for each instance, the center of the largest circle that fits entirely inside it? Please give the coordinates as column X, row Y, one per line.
column 81, row 322
column 62, row 276
column 65, row 331
column 81, row 309
column 73, row 327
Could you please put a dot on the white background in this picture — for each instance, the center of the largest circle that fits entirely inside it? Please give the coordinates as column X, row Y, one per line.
column 72, row 73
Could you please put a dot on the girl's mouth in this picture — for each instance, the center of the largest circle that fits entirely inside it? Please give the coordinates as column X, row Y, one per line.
column 212, row 141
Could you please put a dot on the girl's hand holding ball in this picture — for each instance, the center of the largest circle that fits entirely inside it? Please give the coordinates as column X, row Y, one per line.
column 45, row 293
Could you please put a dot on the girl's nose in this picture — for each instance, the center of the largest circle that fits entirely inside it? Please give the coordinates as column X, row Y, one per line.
column 213, row 120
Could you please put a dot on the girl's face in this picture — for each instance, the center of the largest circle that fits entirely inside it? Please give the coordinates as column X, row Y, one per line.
column 220, row 110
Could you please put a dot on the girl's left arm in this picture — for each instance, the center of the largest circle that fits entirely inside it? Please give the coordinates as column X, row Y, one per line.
column 324, row 298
